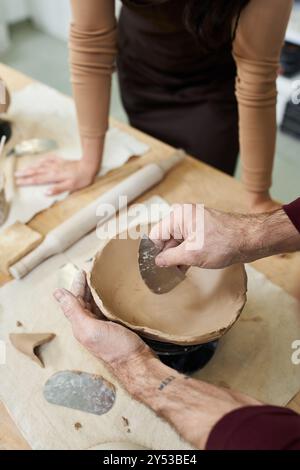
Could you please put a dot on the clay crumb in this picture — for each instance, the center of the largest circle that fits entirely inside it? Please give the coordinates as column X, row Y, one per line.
column 125, row 422
column 255, row 319
column 19, row 324
column 77, row 426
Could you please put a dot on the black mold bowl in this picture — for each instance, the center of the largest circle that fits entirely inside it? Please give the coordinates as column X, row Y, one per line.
column 184, row 359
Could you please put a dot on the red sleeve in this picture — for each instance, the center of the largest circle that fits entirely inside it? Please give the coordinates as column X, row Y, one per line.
column 293, row 212
column 256, row 428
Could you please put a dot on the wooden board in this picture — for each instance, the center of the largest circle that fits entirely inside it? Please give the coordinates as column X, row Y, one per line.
column 16, row 241
column 192, row 181
column 10, row 437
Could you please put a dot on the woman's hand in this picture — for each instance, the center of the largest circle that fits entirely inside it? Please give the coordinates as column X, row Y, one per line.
column 64, row 175
column 112, row 343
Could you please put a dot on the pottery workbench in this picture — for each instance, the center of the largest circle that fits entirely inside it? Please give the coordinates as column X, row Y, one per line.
column 192, row 181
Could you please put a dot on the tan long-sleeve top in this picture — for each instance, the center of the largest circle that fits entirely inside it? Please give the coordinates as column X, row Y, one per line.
column 256, row 50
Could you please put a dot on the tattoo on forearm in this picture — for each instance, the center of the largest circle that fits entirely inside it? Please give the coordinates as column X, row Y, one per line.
column 166, row 382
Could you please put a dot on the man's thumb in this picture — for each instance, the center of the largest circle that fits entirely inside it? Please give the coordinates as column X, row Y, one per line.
column 70, row 305
column 171, row 257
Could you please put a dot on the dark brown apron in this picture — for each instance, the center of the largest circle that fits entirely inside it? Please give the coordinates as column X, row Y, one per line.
column 173, row 90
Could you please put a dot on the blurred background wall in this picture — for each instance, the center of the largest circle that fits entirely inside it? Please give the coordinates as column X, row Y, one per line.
column 33, row 39
column 51, row 16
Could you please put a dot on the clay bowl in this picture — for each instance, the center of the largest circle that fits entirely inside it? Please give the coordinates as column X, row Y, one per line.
column 199, row 310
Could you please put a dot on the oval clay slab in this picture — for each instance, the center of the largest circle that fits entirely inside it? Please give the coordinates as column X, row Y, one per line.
column 80, row 391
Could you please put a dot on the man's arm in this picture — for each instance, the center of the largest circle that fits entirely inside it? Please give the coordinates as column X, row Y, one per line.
column 268, row 234
column 209, row 417
column 292, row 210
column 204, row 415
column 228, row 238
column 192, row 407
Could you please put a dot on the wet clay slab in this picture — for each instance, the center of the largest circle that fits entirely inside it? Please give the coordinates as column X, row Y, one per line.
column 200, row 309
column 80, row 391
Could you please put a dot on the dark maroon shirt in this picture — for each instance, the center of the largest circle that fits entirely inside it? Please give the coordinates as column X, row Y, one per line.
column 260, row 427
column 293, row 212
column 256, row 428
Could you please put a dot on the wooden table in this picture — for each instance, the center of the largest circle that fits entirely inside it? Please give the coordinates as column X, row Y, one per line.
column 191, row 181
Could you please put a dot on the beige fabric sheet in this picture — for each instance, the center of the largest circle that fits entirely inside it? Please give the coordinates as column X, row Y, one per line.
column 47, row 426
column 254, row 357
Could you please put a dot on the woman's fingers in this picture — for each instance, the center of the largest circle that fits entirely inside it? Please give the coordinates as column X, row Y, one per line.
column 42, row 165
column 46, row 164
column 30, row 172
column 39, row 179
column 60, row 188
column 33, row 169
column 53, row 158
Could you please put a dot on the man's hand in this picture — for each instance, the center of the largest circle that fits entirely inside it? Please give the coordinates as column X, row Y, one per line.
column 191, row 406
column 225, row 238
column 106, row 340
column 177, row 234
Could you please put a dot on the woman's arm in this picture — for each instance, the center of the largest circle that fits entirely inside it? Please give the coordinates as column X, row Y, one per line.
column 92, row 55
column 256, row 49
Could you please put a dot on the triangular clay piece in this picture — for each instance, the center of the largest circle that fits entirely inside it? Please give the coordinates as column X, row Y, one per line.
column 28, row 344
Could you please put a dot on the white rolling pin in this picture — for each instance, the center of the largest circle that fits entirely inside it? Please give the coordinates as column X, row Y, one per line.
column 84, row 221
